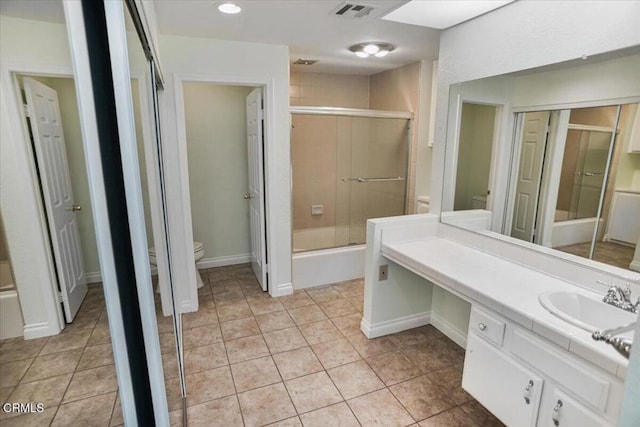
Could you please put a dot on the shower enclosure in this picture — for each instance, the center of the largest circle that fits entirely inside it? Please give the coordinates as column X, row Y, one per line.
column 348, row 166
column 584, row 164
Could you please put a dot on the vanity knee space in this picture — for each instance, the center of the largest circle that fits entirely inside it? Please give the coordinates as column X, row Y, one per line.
column 526, row 380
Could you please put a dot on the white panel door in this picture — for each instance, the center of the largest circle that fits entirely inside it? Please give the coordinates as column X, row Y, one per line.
column 534, row 138
column 48, row 138
column 255, row 152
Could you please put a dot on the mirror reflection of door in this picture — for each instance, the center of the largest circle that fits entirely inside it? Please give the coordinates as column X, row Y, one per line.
column 534, row 140
column 473, row 171
column 590, row 179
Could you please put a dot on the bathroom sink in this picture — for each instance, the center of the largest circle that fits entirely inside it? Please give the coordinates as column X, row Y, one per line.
column 585, row 312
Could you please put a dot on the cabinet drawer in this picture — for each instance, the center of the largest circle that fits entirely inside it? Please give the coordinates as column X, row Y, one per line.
column 487, row 326
column 559, row 410
column 572, row 374
column 510, row 391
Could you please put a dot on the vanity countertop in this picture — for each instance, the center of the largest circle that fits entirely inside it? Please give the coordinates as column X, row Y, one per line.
column 505, row 287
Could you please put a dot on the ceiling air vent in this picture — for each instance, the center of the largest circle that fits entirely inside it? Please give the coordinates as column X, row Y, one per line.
column 353, row 10
column 302, row 61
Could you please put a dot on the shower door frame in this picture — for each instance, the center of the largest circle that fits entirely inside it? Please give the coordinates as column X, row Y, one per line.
column 356, row 112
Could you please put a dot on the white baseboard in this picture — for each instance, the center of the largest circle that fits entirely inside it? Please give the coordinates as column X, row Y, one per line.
column 453, row 333
column 395, row 325
column 223, row 260
column 38, row 330
column 635, row 265
column 93, row 277
column 282, row 290
column 96, row 276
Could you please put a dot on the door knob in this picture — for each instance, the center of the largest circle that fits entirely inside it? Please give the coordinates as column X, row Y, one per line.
column 74, row 208
column 248, row 196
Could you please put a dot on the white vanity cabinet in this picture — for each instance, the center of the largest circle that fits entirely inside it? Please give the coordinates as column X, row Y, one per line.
column 525, row 380
column 509, row 390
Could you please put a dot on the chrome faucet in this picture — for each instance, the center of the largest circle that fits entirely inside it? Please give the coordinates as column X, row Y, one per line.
column 621, row 298
column 621, row 344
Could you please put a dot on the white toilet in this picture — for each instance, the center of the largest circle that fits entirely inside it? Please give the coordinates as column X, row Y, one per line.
column 198, row 253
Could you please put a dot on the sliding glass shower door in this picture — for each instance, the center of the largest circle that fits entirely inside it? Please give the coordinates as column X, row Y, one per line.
column 583, row 171
column 373, row 183
column 346, row 169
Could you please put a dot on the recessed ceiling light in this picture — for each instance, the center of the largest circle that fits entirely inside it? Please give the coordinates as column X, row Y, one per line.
column 229, row 8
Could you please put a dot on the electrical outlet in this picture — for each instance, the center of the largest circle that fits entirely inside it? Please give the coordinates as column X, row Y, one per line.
column 383, row 273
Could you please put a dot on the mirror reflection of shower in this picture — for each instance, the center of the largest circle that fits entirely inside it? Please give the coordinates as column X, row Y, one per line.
column 584, row 197
column 348, row 166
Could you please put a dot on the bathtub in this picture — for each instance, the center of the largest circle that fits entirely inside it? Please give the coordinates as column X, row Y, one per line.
column 573, row 231
column 11, row 323
column 316, row 261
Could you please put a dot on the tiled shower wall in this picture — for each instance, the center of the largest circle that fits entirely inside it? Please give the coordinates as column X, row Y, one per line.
column 393, row 90
column 329, row 90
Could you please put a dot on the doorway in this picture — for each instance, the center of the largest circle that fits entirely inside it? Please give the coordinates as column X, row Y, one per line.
column 73, row 248
column 475, row 148
column 224, row 137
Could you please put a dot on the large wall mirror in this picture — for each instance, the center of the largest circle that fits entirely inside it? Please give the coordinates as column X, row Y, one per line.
column 550, row 157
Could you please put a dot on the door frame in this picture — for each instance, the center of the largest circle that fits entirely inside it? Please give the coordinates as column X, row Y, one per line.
column 33, row 266
column 501, row 121
column 268, row 94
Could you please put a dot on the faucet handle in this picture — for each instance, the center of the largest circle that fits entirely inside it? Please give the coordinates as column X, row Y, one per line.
column 611, row 293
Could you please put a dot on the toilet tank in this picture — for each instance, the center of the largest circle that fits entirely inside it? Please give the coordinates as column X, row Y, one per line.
column 422, row 204
column 479, row 202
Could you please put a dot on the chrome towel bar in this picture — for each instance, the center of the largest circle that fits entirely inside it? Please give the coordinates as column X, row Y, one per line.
column 381, row 179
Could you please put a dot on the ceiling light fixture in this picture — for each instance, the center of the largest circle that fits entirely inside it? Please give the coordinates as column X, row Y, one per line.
column 377, row 49
column 229, row 8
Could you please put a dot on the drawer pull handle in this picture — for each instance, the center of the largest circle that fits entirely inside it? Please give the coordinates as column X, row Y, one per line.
column 527, row 390
column 482, row 326
column 556, row 413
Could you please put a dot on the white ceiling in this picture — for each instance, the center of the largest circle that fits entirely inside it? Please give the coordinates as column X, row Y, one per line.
column 308, row 28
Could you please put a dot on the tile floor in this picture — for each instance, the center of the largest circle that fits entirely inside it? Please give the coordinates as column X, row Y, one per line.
column 252, row 360
column 605, row 252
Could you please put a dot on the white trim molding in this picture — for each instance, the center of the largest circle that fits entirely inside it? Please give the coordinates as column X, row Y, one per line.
column 395, row 325
column 279, row 276
column 222, row 261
